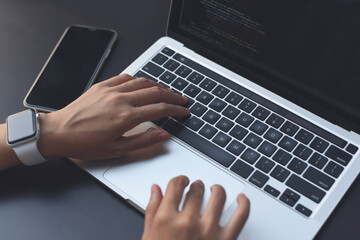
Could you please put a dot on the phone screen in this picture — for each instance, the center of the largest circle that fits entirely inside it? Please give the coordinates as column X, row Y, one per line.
column 72, row 67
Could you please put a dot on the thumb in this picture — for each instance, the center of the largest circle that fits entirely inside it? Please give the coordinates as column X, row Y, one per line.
column 145, row 139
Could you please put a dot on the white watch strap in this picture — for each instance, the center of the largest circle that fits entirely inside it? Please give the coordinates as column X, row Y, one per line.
column 29, row 154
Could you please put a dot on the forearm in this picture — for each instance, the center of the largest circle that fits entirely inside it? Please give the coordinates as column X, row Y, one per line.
column 8, row 157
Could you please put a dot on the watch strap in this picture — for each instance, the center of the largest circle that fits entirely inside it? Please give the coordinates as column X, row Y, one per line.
column 29, row 154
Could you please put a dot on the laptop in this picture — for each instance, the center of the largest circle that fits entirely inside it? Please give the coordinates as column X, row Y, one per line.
column 272, row 88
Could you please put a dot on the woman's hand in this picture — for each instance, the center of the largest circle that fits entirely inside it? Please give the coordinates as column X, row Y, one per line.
column 164, row 221
column 92, row 127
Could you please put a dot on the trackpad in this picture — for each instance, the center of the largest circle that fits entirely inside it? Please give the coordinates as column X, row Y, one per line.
column 135, row 174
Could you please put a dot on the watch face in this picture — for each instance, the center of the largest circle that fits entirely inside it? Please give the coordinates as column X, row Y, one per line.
column 21, row 126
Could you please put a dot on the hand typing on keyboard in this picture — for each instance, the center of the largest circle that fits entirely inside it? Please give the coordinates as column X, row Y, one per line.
column 92, row 127
column 163, row 220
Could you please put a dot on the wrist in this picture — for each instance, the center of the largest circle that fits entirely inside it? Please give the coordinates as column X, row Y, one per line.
column 48, row 143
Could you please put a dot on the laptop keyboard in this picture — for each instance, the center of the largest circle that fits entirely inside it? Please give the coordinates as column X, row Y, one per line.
column 254, row 138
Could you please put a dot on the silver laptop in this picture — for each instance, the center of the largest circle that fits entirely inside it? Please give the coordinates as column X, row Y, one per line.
column 273, row 95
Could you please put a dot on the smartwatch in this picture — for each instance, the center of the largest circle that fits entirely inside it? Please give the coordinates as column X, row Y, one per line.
column 22, row 136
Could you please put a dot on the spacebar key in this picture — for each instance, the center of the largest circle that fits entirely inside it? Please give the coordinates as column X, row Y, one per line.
column 199, row 143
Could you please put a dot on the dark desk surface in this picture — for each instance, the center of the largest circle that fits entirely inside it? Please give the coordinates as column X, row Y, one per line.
column 57, row 200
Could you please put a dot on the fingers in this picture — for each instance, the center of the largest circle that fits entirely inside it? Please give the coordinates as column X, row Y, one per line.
column 174, row 192
column 117, row 80
column 159, row 110
column 155, row 95
column 137, row 84
column 214, row 208
column 194, row 198
column 154, row 203
column 237, row 221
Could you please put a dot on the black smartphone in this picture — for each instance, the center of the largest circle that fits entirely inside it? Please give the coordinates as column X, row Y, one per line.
column 71, row 68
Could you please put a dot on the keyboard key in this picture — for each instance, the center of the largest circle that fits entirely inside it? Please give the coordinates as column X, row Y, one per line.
column 236, row 147
column 319, row 144
column 211, row 117
column 207, row 84
column 289, row 197
column 261, row 113
column 220, row 91
column 304, row 136
column 199, row 143
column 195, row 77
column 168, row 51
column 247, row 105
column 305, row 188
column 292, row 194
column 140, row 74
column 171, row 65
column 258, row 127
column 160, row 59
column 272, row 191
column 252, row 140
column 183, row 71
column 352, row 149
column 182, row 119
column 224, row 124
column 217, row 104
column 250, row 156
column 297, row 165
column 153, row 69
column 233, row 98
column 318, row 161
column 289, row 128
column 204, row 97
column 245, row 119
column 179, row 84
column 198, row 109
column 238, row 132
column 287, row 143
column 289, row 201
column 159, row 122
column 259, row 179
column 231, row 112
column 273, row 135
column 265, row 164
column 333, row 169
column 194, row 123
column 192, row 90
column 318, row 178
column 282, row 157
column 304, row 210
column 208, row 131
column 167, row 77
column 267, row 148
column 275, row 120
column 221, row 139
column 189, row 103
column 338, row 155
column 303, row 152
column 280, row 173
column 242, row 169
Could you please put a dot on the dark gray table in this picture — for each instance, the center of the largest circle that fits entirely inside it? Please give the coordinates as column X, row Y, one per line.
column 57, row 200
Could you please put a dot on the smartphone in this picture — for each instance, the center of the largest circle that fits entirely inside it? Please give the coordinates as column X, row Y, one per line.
column 71, row 68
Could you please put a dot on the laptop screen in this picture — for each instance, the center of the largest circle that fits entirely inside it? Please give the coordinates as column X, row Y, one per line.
column 312, row 46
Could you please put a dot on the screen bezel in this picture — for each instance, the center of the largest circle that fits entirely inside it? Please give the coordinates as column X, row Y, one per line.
column 311, row 102
column 44, row 108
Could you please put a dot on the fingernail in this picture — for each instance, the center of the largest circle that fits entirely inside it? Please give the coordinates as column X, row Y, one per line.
column 150, row 129
column 186, row 180
column 201, row 185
